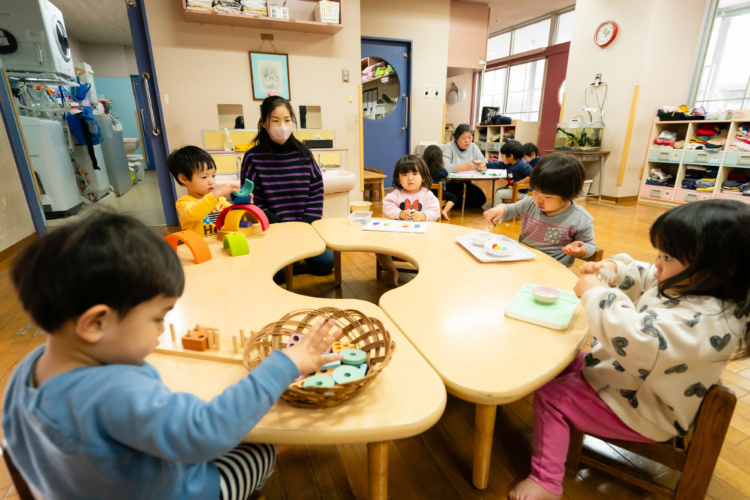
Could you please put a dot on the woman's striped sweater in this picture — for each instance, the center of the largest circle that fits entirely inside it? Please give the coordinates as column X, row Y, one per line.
column 287, row 183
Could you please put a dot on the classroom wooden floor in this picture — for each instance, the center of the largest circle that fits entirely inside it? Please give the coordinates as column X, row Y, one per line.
column 437, row 464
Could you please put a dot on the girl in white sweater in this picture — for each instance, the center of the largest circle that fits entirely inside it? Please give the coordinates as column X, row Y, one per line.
column 662, row 336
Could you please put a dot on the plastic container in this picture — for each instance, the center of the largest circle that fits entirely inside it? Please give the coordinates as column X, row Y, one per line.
column 360, row 206
column 545, row 294
column 586, row 188
column 327, row 12
column 497, row 248
column 481, row 237
column 360, row 217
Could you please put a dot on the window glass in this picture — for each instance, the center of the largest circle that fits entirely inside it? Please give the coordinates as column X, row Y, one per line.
column 521, row 95
column 564, row 27
column 498, row 46
column 493, row 89
column 531, row 37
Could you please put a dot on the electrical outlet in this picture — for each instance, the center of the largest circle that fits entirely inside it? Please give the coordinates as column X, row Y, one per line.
column 436, row 91
column 427, row 91
column 597, row 79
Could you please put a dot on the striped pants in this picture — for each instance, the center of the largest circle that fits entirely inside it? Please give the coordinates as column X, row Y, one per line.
column 245, row 469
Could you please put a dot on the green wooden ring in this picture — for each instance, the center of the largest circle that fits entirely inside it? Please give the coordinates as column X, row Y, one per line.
column 345, row 373
column 318, row 381
column 353, row 356
column 237, row 244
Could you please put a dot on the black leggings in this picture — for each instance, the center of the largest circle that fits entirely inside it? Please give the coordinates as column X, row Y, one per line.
column 474, row 195
column 447, row 196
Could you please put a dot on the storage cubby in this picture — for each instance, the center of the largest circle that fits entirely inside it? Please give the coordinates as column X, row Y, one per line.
column 490, row 138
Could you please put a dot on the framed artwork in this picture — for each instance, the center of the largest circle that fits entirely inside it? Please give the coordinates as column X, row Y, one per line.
column 269, row 75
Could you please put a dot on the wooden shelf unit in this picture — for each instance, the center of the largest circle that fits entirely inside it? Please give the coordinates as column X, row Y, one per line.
column 296, row 7
column 485, row 136
column 676, row 162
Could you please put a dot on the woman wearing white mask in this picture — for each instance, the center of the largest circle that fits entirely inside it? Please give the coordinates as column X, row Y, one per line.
column 288, row 181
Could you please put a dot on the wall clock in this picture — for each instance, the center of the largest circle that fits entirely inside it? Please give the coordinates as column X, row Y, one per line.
column 605, row 33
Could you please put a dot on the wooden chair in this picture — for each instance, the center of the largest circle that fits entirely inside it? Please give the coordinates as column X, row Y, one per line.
column 24, row 492
column 373, row 186
column 694, row 456
column 516, row 187
column 596, row 257
column 439, row 187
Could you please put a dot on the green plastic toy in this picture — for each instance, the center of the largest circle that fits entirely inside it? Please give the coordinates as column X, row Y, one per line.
column 237, row 244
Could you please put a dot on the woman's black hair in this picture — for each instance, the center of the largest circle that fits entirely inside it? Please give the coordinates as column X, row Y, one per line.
column 711, row 238
column 433, row 158
column 558, row 174
column 460, row 130
column 106, row 258
column 411, row 163
column 189, row 160
column 264, row 140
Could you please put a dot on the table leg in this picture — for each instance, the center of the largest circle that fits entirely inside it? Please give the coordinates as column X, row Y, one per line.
column 377, row 460
column 337, row 268
column 463, row 201
column 382, row 190
column 289, row 277
column 601, row 175
column 484, row 425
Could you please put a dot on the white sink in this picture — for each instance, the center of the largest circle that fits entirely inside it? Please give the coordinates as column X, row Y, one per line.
column 337, row 181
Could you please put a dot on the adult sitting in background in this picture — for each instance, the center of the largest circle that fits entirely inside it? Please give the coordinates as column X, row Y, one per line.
column 531, row 154
column 239, row 122
column 460, row 155
column 511, row 156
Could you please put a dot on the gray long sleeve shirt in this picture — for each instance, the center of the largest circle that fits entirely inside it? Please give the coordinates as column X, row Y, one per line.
column 550, row 233
column 453, row 156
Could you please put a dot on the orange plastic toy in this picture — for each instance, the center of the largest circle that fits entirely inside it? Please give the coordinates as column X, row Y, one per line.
column 197, row 245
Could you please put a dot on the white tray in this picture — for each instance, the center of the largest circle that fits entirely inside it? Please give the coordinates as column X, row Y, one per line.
column 396, row 226
column 519, row 252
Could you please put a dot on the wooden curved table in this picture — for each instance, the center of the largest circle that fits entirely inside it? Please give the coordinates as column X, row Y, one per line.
column 230, row 293
column 453, row 313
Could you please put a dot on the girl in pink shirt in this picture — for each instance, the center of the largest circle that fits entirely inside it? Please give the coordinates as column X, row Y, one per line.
column 411, row 200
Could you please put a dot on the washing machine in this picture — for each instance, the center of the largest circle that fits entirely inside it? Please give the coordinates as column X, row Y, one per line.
column 55, row 174
column 33, row 38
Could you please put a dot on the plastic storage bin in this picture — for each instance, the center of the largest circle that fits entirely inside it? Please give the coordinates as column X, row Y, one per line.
column 360, row 217
column 327, row 12
column 665, row 155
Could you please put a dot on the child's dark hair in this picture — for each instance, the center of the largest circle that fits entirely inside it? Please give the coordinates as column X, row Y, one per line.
column 711, row 238
column 460, row 130
column 263, row 139
column 411, row 163
column 433, row 158
column 106, row 258
column 558, row 174
column 187, row 161
column 530, row 148
column 512, row 148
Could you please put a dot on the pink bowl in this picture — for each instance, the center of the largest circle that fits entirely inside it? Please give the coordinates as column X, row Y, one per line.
column 545, row 294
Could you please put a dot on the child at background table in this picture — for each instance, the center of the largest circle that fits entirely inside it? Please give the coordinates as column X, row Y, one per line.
column 433, row 158
column 195, row 169
column 531, row 154
column 511, row 158
column 663, row 336
column 551, row 221
column 411, row 200
column 86, row 417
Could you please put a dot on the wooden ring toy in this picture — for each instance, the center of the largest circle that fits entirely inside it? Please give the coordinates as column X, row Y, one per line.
column 353, row 356
column 319, row 381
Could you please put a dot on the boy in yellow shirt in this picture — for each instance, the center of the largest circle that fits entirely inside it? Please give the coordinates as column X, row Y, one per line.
column 193, row 168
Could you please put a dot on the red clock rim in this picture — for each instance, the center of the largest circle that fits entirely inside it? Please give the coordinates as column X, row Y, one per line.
column 614, row 33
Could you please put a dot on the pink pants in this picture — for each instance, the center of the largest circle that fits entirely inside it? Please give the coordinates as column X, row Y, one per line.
column 568, row 400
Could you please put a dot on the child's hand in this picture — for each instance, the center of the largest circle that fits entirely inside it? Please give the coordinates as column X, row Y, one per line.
column 586, row 283
column 307, row 354
column 418, row 216
column 404, row 215
column 225, row 189
column 595, row 267
column 481, row 166
column 576, row 248
column 493, row 215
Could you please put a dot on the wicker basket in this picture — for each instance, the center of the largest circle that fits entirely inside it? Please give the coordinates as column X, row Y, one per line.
column 368, row 334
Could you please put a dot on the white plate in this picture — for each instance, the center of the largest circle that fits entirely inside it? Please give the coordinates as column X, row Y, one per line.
column 519, row 252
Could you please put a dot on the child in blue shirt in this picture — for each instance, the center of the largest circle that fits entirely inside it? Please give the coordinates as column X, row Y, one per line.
column 511, row 156
column 531, row 154
column 86, row 417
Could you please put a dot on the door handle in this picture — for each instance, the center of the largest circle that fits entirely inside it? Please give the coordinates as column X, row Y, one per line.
column 406, row 113
column 154, row 129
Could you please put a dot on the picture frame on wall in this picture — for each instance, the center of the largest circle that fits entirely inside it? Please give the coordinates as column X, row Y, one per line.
column 269, row 75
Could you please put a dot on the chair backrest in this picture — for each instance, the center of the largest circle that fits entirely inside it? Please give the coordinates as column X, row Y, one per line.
column 516, row 187
column 24, row 492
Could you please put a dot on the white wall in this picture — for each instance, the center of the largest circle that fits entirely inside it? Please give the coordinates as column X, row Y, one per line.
column 15, row 219
column 112, row 61
column 425, row 22
column 654, row 49
column 460, row 112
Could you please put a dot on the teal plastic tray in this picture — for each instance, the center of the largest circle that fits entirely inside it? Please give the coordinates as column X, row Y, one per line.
column 557, row 316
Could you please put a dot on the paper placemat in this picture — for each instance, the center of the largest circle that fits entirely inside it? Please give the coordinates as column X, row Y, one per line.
column 519, row 252
column 475, row 174
column 395, row 226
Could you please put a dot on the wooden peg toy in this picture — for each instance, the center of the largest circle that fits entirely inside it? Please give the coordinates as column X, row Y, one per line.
column 242, row 338
column 211, row 340
column 197, row 339
column 217, row 340
column 235, row 344
column 171, row 330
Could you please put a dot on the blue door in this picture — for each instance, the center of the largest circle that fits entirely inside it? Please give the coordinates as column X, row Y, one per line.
column 140, row 108
column 386, row 98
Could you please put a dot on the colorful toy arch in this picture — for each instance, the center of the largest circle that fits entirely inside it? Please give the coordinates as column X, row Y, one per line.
column 229, row 218
column 197, row 245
